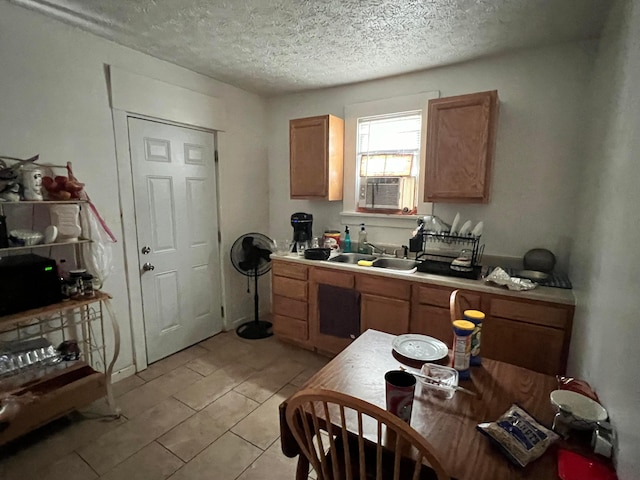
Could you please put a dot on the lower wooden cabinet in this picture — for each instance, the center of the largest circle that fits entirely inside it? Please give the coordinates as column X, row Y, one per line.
column 530, row 346
column 432, row 321
column 322, row 342
column 528, row 333
column 430, row 310
column 385, row 314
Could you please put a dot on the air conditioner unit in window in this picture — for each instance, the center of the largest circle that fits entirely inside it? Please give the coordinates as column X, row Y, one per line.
column 391, row 193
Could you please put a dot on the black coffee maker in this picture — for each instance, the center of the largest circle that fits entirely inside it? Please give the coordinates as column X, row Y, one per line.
column 302, row 228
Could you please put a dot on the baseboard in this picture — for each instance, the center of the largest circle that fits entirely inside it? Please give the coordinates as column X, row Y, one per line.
column 123, row 373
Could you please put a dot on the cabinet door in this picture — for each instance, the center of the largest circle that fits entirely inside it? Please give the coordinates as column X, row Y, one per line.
column 385, row 314
column 432, row 321
column 316, row 157
column 325, row 343
column 460, row 144
column 530, row 346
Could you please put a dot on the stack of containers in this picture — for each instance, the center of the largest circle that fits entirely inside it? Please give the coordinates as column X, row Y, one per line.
column 466, row 342
column 476, row 317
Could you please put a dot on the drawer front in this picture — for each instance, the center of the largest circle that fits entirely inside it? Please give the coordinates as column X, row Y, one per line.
column 333, row 277
column 529, row 312
column 439, row 297
column 290, row 270
column 290, row 307
column 289, row 287
column 290, row 327
column 386, row 287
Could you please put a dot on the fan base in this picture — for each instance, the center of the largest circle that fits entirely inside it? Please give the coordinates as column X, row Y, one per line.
column 255, row 330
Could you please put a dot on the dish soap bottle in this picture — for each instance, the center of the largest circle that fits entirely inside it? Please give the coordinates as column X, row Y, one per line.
column 347, row 240
column 362, row 239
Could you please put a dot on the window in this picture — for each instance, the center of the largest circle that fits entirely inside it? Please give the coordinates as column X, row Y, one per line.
column 384, row 159
column 388, row 158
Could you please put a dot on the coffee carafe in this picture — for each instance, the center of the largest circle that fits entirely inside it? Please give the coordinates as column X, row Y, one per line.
column 302, row 228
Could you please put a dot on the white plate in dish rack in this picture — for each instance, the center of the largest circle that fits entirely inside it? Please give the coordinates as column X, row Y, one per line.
column 420, row 347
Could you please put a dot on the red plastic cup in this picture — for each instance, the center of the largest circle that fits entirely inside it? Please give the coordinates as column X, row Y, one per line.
column 400, row 388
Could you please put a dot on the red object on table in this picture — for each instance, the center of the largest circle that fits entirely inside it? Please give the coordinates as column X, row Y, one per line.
column 573, row 466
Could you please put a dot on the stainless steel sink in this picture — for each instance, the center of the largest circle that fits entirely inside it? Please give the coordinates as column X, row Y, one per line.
column 352, row 258
column 390, row 263
column 395, row 263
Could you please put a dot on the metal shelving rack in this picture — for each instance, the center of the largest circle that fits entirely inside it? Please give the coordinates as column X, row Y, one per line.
column 34, row 203
column 81, row 381
column 49, row 392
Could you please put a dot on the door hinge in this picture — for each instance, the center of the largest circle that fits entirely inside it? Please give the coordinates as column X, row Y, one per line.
column 215, row 156
column 219, row 236
column 222, row 311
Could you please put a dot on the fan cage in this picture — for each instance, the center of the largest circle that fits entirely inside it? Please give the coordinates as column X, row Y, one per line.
column 237, row 253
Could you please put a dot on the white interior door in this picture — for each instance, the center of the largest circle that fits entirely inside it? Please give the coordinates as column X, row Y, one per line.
column 177, row 226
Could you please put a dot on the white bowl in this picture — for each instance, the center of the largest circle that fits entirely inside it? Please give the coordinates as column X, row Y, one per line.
column 25, row 238
column 585, row 413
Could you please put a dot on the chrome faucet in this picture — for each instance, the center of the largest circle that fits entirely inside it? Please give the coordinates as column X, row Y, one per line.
column 382, row 251
column 405, row 252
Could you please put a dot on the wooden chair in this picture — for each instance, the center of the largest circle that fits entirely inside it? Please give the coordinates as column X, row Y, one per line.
column 391, row 450
column 457, row 305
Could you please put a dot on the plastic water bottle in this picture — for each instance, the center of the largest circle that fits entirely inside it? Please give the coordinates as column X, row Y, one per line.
column 362, row 240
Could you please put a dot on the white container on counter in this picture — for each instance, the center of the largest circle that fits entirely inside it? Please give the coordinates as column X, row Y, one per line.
column 67, row 220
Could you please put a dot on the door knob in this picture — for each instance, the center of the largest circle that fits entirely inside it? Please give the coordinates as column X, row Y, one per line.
column 146, row 250
column 147, row 266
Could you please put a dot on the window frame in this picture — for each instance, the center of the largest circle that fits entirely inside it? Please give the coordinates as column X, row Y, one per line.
column 352, row 113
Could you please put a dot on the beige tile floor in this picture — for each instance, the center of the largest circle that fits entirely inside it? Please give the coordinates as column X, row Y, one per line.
column 208, row 412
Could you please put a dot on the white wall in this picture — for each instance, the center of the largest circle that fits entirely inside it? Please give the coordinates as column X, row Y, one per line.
column 54, row 102
column 605, row 268
column 542, row 95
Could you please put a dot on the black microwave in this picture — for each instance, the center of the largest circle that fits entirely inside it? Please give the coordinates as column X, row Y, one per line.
column 28, row 281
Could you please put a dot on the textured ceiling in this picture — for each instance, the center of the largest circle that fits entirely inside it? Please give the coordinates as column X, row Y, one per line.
column 280, row 46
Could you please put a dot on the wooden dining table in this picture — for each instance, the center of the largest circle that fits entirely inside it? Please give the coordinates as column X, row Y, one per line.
column 448, row 425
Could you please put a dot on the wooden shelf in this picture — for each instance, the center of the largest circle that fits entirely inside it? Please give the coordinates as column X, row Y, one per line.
column 9, row 321
column 45, row 245
column 54, row 396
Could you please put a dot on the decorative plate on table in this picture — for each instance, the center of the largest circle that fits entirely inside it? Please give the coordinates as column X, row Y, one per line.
column 420, row 347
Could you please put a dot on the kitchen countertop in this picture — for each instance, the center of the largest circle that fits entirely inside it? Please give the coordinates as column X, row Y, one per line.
column 545, row 294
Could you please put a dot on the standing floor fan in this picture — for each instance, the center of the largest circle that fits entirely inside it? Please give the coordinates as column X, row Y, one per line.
column 250, row 255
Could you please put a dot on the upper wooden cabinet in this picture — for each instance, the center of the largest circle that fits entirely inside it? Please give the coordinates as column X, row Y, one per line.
column 460, row 142
column 316, row 157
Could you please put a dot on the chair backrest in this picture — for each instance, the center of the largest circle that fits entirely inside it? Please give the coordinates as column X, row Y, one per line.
column 457, row 305
column 364, row 440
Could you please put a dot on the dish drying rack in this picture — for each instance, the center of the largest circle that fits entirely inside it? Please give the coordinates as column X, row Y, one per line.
column 445, row 247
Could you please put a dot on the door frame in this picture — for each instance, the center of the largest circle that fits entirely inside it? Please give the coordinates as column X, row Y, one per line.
column 124, row 104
